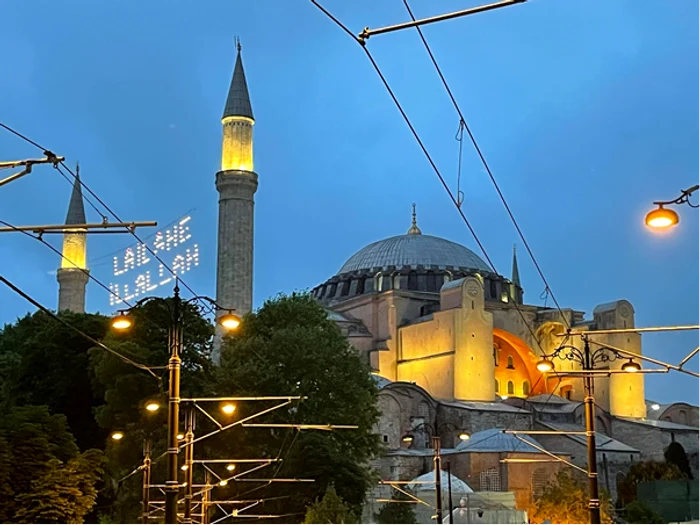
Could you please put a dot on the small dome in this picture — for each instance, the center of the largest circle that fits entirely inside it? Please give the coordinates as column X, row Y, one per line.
column 414, row 250
column 426, row 482
column 495, row 440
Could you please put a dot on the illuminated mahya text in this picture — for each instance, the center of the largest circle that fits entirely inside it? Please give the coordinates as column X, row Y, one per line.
column 139, row 272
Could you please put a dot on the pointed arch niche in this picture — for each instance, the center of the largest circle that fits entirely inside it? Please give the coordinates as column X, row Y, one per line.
column 516, row 363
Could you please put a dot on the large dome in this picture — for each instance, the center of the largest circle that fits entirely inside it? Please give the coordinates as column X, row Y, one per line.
column 413, row 251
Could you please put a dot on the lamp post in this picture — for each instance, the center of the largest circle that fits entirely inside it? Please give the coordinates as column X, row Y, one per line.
column 123, row 322
column 588, row 360
column 189, row 458
column 661, row 218
column 438, row 481
column 146, row 481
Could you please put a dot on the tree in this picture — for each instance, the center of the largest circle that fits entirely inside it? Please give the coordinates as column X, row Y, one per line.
column 125, row 390
column 290, row 347
column 675, row 454
column 638, row 512
column 566, row 501
column 331, row 509
column 43, row 479
column 43, row 362
column 644, row 471
column 397, row 512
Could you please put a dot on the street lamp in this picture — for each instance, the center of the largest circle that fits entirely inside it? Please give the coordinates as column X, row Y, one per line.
column 117, row 436
column 588, row 360
column 228, row 408
column 662, row 218
column 123, row 322
column 153, row 406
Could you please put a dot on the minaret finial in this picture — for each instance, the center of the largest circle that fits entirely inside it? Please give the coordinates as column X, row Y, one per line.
column 414, row 229
column 238, row 44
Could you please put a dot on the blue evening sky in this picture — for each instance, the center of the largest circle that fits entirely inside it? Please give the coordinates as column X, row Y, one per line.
column 586, row 110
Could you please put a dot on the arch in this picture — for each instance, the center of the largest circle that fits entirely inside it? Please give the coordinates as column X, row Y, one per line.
column 361, row 285
column 511, row 388
column 498, row 386
column 683, row 417
column 432, row 282
column 526, row 388
column 412, row 280
column 520, row 361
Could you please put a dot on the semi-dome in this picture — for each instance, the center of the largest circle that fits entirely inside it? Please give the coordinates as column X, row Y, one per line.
column 414, row 250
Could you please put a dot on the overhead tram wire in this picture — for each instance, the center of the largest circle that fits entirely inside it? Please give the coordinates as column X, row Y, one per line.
column 86, row 272
column 48, row 312
column 206, row 306
column 431, row 161
column 442, row 180
column 463, row 122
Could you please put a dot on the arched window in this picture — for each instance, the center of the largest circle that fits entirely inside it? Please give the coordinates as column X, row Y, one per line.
column 496, row 351
column 511, row 388
column 498, row 386
column 346, row 288
column 412, row 280
column 334, row 287
column 683, row 417
column 361, row 285
column 397, row 282
column 510, row 362
column 526, row 388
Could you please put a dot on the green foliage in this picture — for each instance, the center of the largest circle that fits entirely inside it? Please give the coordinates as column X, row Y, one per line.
column 397, row 512
column 43, row 479
column 289, row 347
column 644, row 471
column 566, row 501
column 675, row 454
column 330, row 509
column 638, row 512
column 43, row 362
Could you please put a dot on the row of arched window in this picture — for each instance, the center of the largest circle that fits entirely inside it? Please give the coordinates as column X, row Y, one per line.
column 510, row 388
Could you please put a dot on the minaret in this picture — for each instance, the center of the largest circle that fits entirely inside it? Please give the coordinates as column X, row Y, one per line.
column 236, row 184
column 516, row 290
column 73, row 274
column 515, row 274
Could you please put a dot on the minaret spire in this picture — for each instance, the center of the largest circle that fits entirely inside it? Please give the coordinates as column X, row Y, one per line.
column 515, row 278
column 414, row 229
column 236, row 184
column 73, row 274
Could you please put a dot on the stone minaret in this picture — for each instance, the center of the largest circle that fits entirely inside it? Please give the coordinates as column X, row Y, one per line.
column 236, row 184
column 73, row 274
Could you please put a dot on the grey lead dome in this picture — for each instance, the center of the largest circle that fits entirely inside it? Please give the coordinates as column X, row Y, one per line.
column 414, row 250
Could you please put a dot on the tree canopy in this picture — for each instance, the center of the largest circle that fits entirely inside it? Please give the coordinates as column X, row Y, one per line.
column 638, row 512
column 397, row 512
column 330, row 509
column 566, row 501
column 43, row 478
column 644, row 471
column 289, row 347
column 43, row 362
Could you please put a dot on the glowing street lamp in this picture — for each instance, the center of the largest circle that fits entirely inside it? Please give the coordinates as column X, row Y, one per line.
column 663, row 218
column 230, row 467
column 152, row 406
column 117, row 435
column 228, row 408
column 545, row 365
column 123, row 322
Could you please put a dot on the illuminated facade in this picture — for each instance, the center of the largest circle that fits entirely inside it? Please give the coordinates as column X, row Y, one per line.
column 236, row 184
column 436, row 315
column 73, row 274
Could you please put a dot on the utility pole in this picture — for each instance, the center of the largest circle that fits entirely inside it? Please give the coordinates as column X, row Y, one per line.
column 189, row 458
column 146, row 480
column 589, row 404
column 449, row 492
column 438, row 482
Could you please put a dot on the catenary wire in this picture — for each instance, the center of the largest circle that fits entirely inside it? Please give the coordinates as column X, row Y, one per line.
column 204, row 304
column 443, row 182
column 41, row 307
column 432, row 164
column 463, row 122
